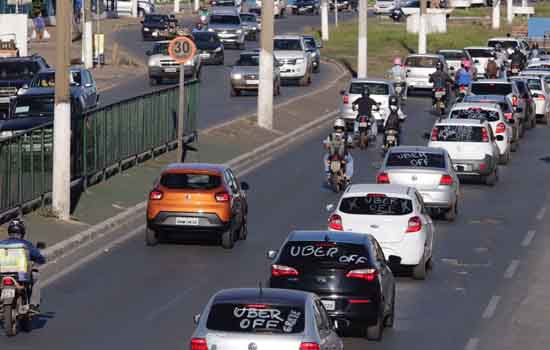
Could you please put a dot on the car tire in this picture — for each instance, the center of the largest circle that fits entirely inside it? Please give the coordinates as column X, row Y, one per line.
column 389, row 319
column 515, row 146
column 374, row 332
column 491, row 179
column 303, row 80
column 151, row 237
column 243, row 231
column 419, row 271
column 450, row 214
column 505, row 159
column 235, row 92
column 317, row 69
column 228, row 239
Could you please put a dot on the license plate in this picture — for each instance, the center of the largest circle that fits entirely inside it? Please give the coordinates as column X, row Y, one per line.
column 390, row 138
column 7, row 293
column 285, row 71
column 514, row 70
column 463, row 167
column 335, row 166
column 439, row 94
column 329, row 305
column 252, row 82
column 170, row 70
column 398, row 89
column 187, row 221
column 363, row 125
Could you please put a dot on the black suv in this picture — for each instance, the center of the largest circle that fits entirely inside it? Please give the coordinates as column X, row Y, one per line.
column 14, row 73
column 158, row 27
column 347, row 270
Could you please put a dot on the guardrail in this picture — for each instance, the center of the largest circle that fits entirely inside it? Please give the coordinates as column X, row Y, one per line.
column 102, row 139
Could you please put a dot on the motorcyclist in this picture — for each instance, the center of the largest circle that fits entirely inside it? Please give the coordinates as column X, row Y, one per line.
column 339, row 142
column 518, row 58
column 199, row 26
column 393, row 122
column 364, row 106
column 463, row 76
column 491, row 69
column 399, row 76
column 16, row 235
column 440, row 80
column 535, row 50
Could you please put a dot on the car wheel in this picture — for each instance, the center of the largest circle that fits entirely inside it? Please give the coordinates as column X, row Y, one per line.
column 505, row 158
column 153, row 81
column 419, row 271
column 235, row 92
column 228, row 240
column 389, row 320
column 151, row 237
column 450, row 214
column 317, row 69
column 491, row 179
column 277, row 90
column 374, row 332
column 243, row 232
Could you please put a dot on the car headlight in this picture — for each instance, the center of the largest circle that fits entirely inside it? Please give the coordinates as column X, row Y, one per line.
column 236, row 76
column 6, row 134
column 145, row 29
column 218, row 49
column 239, row 31
column 299, row 60
column 210, row 29
column 152, row 63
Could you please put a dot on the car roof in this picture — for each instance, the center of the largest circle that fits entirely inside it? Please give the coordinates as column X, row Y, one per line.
column 460, row 122
column 206, row 167
column 479, row 48
column 263, row 295
column 322, row 236
column 390, row 189
column 424, row 55
column 411, row 149
column 451, row 50
column 288, row 36
column 503, row 39
column 21, row 58
column 465, row 105
column 491, row 81
column 480, row 98
column 366, row 81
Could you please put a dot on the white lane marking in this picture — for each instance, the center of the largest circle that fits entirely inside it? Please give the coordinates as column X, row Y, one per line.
column 472, row 344
column 528, row 238
column 491, row 307
column 255, row 166
column 92, row 256
column 511, row 270
column 170, row 305
column 541, row 213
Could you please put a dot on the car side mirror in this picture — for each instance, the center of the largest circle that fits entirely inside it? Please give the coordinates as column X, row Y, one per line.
column 393, row 260
column 148, row 52
column 245, row 186
column 500, row 138
column 342, row 92
column 271, row 254
column 196, row 318
column 41, row 245
column 330, row 207
column 426, row 135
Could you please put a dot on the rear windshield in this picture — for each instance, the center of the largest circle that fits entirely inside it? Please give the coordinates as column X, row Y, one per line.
column 416, row 159
column 534, row 84
column 505, row 44
column 287, row 45
column 475, row 113
column 225, row 19
column 480, row 53
column 422, row 62
column 161, row 49
column 206, row 37
column 190, row 181
column 324, row 254
column 491, row 88
column 374, row 204
column 459, row 133
column 374, row 88
column 504, row 106
column 248, row 60
column 521, row 87
column 18, row 70
column 453, row 55
column 256, row 318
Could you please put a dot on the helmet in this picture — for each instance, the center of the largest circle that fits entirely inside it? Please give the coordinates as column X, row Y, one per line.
column 16, row 229
column 397, row 61
column 466, row 63
column 393, row 101
column 439, row 66
column 339, row 124
column 366, row 91
column 498, row 47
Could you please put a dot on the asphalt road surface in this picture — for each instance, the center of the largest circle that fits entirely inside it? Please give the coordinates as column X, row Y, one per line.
column 138, row 297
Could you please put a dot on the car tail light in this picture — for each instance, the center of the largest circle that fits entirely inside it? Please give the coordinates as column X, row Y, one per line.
column 364, row 274
column 435, row 134
column 359, row 301
column 508, row 116
column 501, row 127
column 345, row 99
column 198, row 344
column 222, row 197
column 256, row 306
column 309, row 346
column 540, row 97
column 446, row 180
column 484, row 135
column 440, row 90
column 155, row 195
column 482, row 166
column 462, row 88
column 8, row 282
column 515, row 101
column 415, row 224
column 383, row 178
column 335, row 222
column 362, row 119
column 281, row 271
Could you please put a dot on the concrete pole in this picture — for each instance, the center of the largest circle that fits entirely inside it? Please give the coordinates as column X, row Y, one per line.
column 134, row 8
column 197, row 6
column 496, row 14
column 523, row 3
column 422, row 36
column 509, row 11
column 61, row 186
column 362, row 49
column 335, row 13
column 324, row 20
column 176, row 6
column 181, row 115
column 87, row 35
column 265, row 89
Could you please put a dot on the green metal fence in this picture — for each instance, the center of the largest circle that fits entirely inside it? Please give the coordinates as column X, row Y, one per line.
column 100, row 139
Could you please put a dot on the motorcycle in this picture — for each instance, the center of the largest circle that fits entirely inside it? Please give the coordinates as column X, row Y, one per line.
column 391, row 139
column 363, row 132
column 16, row 287
column 439, row 95
column 337, row 180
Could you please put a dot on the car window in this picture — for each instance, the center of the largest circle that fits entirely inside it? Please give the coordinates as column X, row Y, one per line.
column 480, row 53
column 475, row 113
column 248, row 60
column 314, row 255
column 374, row 88
column 458, row 133
column 287, row 45
column 422, row 62
column 378, row 253
column 160, row 49
column 248, row 18
column 376, row 204
column 505, row 44
column 190, row 181
column 534, row 84
column 416, row 159
column 234, row 183
column 254, row 318
column 310, row 43
column 491, row 88
column 453, row 55
column 18, row 70
column 225, row 19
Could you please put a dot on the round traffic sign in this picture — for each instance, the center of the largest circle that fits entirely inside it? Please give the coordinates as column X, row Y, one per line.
column 182, row 49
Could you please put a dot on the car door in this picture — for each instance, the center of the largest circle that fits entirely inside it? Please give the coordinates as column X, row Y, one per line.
column 426, row 220
column 91, row 88
column 328, row 338
column 452, row 173
column 238, row 207
column 385, row 273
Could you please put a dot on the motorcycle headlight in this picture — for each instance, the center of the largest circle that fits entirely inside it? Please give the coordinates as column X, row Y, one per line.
column 146, row 29
column 236, row 76
column 239, row 31
column 299, row 60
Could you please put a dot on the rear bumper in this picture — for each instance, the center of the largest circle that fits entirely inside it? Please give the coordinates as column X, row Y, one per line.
column 419, row 83
column 472, row 167
column 438, row 199
column 161, row 73
column 410, row 249
column 360, row 314
column 208, row 223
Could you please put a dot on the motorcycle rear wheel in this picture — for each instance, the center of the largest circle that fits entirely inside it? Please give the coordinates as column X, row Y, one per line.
column 10, row 320
column 363, row 141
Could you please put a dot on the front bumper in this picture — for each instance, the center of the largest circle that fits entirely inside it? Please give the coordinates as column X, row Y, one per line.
column 419, row 83
column 244, row 84
column 170, row 72
column 473, row 167
column 207, row 222
column 231, row 38
column 295, row 71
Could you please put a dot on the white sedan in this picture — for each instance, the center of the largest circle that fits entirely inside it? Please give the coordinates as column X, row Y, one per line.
column 395, row 215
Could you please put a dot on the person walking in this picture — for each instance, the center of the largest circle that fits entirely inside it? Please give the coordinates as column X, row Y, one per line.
column 39, row 26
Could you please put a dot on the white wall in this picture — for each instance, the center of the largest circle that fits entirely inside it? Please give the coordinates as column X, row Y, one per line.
column 16, row 24
column 435, row 22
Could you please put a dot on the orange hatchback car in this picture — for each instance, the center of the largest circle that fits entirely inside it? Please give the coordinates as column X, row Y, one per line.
column 193, row 198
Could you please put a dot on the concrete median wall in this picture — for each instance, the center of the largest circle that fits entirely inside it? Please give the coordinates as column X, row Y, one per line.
column 436, row 22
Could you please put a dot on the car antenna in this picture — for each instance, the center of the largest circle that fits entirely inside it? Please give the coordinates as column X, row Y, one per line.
column 261, row 290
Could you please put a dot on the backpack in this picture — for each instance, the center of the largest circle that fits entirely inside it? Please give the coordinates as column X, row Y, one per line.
column 337, row 144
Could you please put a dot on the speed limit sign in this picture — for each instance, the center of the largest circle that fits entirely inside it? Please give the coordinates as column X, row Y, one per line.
column 182, row 49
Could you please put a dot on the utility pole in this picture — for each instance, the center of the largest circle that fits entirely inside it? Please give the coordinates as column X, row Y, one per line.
column 509, row 11
column 422, row 36
column 181, row 115
column 197, row 6
column 265, row 88
column 335, row 13
column 61, row 186
column 496, row 14
column 362, row 47
column 324, row 20
column 87, row 35
column 134, row 8
column 176, row 6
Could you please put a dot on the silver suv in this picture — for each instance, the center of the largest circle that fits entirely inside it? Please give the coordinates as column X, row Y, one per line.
column 245, row 74
column 291, row 52
column 163, row 67
column 227, row 24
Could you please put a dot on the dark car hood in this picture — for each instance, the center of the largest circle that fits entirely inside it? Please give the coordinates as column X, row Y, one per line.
column 20, row 124
column 18, row 83
column 208, row 46
column 155, row 25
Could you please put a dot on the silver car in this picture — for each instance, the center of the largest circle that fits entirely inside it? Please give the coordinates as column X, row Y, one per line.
column 427, row 169
column 245, row 73
column 541, row 95
column 163, row 67
column 227, row 24
column 249, row 22
column 420, row 67
column 264, row 319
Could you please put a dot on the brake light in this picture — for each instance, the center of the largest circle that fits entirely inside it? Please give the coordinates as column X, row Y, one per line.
column 155, row 195
column 435, row 134
column 376, row 195
column 309, row 346
column 198, row 344
column 415, row 224
column 345, row 99
column 383, row 178
column 281, row 271
column 335, row 222
column 8, row 282
column 484, row 135
column 482, row 166
column 359, row 301
column 222, row 197
column 362, row 119
column 501, row 127
column 540, row 97
column 364, row 274
column 515, row 101
column 256, row 306
column 508, row 116
column 446, row 180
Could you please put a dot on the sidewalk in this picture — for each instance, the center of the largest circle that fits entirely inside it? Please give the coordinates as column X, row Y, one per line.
column 216, row 145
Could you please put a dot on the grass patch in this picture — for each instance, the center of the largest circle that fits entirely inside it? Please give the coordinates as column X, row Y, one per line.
column 542, row 9
column 472, row 12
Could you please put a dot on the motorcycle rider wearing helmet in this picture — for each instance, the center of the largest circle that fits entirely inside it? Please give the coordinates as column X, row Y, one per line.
column 518, row 58
column 491, row 69
column 440, row 80
column 339, row 142
column 399, row 76
column 16, row 235
column 393, row 122
column 364, row 106
column 463, row 76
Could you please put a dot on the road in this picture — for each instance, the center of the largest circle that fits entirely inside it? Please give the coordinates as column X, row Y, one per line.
column 215, row 104
column 142, row 298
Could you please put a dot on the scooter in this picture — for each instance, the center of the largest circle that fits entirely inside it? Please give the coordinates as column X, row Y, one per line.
column 363, row 132
column 390, row 139
column 337, row 181
column 439, row 95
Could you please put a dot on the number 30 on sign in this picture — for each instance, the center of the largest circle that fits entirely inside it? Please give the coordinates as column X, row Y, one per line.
column 182, row 49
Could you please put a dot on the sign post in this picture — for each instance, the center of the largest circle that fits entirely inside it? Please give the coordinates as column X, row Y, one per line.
column 181, row 49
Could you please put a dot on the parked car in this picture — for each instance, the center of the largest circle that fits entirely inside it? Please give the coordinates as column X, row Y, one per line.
column 162, row 67
column 393, row 214
column 245, row 74
column 348, row 271
column 302, row 7
column 454, row 59
column 420, row 67
column 200, row 198
column 340, row 5
column 209, row 47
column 540, row 91
column 429, row 170
column 249, row 22
column 313, row 47
column 227, row 24
column 124, row 7
column 158, row 27
column 480, row 56
column 471, row 145
column 264, row 318
column 296, row 63
column 384, row 7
